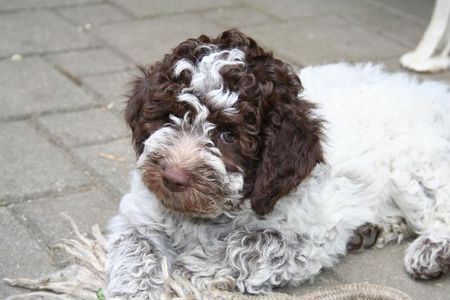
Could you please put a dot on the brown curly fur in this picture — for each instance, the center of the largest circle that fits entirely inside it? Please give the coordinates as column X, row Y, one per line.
column 278, row 138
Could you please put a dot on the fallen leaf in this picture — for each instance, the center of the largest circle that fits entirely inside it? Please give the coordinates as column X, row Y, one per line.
column 110, row 156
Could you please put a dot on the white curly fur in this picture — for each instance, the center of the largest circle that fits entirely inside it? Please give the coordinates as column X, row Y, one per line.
column 387, row 158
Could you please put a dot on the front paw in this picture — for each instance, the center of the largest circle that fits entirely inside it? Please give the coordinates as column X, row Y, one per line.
column 181, row 283
column 428, row 257
column 363, row 237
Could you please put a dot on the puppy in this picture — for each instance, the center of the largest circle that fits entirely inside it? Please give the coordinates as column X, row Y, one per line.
column 247, row 179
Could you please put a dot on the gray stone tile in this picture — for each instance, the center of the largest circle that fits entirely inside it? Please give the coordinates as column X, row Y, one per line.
column 393, row 65
column 111, row 87
column 388, row 23
column 146, row 41
column 237, row 17
column 85, row 208
column 112, row 161
column 285, row 9
column 445, row 76
column 21, row 4
column 418, row 9
column 329, row 38
column 141, row 8
column 32, row 166
column 92, row 14
column 20, row 254
column 385, row 267
column 30, row 86
column 39, row 31
column 84, row 127
column 90, row 62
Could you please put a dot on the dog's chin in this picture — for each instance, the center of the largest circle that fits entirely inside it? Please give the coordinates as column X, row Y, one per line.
column 190, row 202
column 188, row 206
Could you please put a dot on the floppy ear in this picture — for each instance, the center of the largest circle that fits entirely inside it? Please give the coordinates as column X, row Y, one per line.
column 134, row 114
column 291, row 136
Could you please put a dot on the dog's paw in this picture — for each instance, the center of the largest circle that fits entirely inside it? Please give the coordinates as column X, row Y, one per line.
column 363, row 237
column 428, row 257
column 393, row 230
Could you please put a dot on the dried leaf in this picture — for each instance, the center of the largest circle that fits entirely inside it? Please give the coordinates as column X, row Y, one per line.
column 110, row 156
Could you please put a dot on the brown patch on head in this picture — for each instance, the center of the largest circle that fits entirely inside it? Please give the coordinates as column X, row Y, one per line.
column 276, row 137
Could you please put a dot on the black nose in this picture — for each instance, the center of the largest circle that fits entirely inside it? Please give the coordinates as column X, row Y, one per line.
column 175, row 179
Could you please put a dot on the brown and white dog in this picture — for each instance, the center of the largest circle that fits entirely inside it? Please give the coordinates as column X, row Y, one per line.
column 236, row 185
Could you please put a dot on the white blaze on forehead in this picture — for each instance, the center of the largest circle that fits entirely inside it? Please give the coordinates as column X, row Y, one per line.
column 207, row 81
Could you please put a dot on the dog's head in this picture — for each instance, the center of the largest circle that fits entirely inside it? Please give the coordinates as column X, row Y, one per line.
column 218, row 121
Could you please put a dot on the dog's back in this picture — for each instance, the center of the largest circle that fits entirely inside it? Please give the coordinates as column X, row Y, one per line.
column 392, row 133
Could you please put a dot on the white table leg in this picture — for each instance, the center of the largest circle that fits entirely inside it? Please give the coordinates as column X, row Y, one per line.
column 424, row 58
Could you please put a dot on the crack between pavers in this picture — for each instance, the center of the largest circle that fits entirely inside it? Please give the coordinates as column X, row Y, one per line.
column 49, row 7
column 99, row 142
column 95, row 179
column 35, row 234
column 187, row 12
column 260, row 10
column 48, row 52
column 397, row 11
column 24, row 117
column 9, row 201
column 121, row 9
column 391, row 37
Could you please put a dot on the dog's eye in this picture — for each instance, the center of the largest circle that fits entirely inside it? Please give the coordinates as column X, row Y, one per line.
column 227, row 137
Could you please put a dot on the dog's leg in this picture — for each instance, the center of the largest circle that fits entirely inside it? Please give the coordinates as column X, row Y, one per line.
column 134, row 257
column 364, row 237
column 393, row 229
column 256, row 261
column 422, row 192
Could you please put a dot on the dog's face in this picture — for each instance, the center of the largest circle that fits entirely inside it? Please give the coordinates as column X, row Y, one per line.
column 219, row 121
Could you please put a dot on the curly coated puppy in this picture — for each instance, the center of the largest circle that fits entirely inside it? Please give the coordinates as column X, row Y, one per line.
column 249, row 179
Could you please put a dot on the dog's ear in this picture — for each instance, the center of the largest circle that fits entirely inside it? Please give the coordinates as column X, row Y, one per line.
column 138, row 98
column 291, row 148
column 150, row 101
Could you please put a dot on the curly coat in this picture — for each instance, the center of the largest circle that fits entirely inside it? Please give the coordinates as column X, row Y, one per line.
column 278, row 139
column 219, row 121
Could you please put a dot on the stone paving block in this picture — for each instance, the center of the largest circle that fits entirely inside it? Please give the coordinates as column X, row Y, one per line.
column 85, row 208
column 20, row 254
column 32, row 166
column 93, row 14
column 285, row 9
column 419, row 9
column 406, row 30
column 237, row 17
column 112, row 87
column 31, row 86
column 385, row 267
column 393, row 65
column 39, row 31
column 85, row 127
column 111, row 161
column 146, row 41
column 90, row 62
column 144, row 8
column 22, row 4
column 329, row 38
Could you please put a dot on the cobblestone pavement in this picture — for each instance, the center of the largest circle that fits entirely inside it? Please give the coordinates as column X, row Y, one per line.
column 64, row 65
